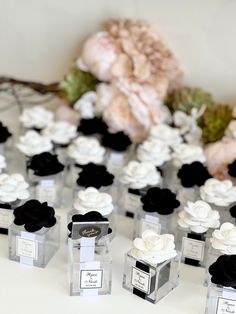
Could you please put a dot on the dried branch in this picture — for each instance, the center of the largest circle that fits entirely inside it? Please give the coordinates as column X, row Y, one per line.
column 36, row 86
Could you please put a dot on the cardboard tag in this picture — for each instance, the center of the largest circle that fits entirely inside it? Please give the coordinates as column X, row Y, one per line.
column 46, row 191
column 140, row 280
column 193, row 249
column 150, row 223
column 6, row 218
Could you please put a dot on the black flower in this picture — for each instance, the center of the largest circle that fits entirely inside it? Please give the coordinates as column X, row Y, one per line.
column 116, row 141
column 45, row 164
column 223, row 271
column 4, row 133
column 34, row 216
column 193, row 174
column 89, row 217
column 95, row 176
column 92, row 126
column 162, row 201
column 232, row 169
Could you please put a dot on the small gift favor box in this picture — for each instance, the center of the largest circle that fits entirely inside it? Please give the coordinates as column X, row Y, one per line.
column 89, row 255
column 119, row 151
column 221, row 296
column 195, row 226
column 45, row 174
column 13, row 189
column 156, row 212
column 222, row 241
column 92, row 199
column 34, row 236
column 151, row 268
column 136, row 178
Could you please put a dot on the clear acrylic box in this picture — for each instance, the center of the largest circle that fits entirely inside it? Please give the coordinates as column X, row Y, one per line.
column 129, row 200
column 194, row 246
column 115, row 161
column 148, row 281
column 6, row 215
column 47, row 188
column 154, row 221
column 90, row 266
column 33, row 248
column 220, row 300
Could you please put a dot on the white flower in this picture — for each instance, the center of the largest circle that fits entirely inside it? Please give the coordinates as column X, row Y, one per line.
column 85, row 150
column 224, row 239
column 60, row 132
column 2, row 163
column 186, row 154
column 36, row 117
column 92, row 200
column 153, row 247
column 154, row 151
column 86, row 105
column 188, row 125
column 13, row 187
column 32, row 143
column 140, row 174
column 219, row 193
column 198, row 217
column 165, row 133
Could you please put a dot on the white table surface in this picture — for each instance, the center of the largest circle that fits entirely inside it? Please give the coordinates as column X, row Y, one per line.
column 32, row 290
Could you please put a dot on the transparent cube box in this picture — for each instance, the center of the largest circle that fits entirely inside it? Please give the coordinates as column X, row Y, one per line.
column 149, row 281
column 220, row 300
column 33, row 248
column 90, row 266
column 194, row 246
column 6, row 215
column 154, row 221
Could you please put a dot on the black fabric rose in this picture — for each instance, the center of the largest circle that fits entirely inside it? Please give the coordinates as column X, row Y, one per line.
column 92, row 126
column 162, row 201
column 45, row 164
column 232, row 169
column 89, row 217
column 193, row 174
column 116, row 141
column 223, row 271
column 95, row 176
column 4, row 133
column 233, row 211
column 34, row 216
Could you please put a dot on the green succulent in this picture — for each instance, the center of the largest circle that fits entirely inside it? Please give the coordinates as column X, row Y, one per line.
column 214, row 121
column 76, row 83
column 186, row 98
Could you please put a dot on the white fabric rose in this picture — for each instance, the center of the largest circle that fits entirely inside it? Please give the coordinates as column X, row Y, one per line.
column 224, row 239
column 13, row 187
column 170, row 136
column 32, row 143
column 138, row 175
column 154, row 151
column 60, row 132
column 219, row 193
column 92, row 200
column 36, row 117
column 2, row 163
column 84, row 150
column 198, row 217
column 153, row 247
column 186, row 154
column 86, row 105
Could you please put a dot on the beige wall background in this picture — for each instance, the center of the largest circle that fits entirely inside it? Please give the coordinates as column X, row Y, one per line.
column 39, row 39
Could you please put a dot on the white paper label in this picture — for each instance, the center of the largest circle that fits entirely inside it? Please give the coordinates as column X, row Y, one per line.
column 26, row 248
column 150, row 223
column 193, row 249
column 132, row 202
column 226, row 306
column 140, row 280
column 46, row 191
column 91, row 279
column 6, row 218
